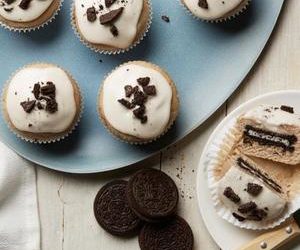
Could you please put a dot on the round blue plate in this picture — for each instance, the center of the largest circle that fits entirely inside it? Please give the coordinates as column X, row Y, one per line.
column 207, row 62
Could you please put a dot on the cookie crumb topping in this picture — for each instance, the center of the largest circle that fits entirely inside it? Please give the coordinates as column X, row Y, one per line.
column 140, row 97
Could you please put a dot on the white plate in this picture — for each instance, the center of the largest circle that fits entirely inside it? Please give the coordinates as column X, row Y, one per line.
column 227, row 236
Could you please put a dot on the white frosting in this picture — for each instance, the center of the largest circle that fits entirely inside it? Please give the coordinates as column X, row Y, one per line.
column 158, row 107
column 238, row 180
column 35, row 10
column 271, row 117
column 20, row 89
column 216, row 8
column 96, row 33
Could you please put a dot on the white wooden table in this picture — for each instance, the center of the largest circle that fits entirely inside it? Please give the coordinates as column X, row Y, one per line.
column 66, row 201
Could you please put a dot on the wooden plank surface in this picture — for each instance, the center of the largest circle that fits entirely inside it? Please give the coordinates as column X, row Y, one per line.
column 65, row 201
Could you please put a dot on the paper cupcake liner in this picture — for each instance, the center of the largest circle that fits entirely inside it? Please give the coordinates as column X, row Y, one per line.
column 110, row 52
column 40, row 26
column 40, row 141
column 104, row 122
column 234, row 14
column 219, row 151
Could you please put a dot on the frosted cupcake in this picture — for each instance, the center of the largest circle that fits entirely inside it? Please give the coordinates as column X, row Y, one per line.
column 25, row 15
column 138, row 102
column 41, row 103
column 111, row 26
column 215, row 10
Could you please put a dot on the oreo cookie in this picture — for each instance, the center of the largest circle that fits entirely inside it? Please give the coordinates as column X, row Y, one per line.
column 152, row 195
column 112, row 211
column 174, row 234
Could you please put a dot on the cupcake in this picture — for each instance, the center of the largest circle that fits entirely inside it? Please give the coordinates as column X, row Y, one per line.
column 270, row 132
column 215, row 10
column 41, row 103
column 252, row 193
column 138, row 102
column 111, row 26
column 25, row 15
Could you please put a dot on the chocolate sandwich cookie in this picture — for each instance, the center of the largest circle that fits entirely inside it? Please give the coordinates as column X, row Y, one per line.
column 174, row 234
column 152, row 195
column 112, row 211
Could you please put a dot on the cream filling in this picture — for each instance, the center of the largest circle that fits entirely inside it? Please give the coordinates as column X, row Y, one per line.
column 127, row 23
column 158, row 107
column 35, row 10
column 20, row 89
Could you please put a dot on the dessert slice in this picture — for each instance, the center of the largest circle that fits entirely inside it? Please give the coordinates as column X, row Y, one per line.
column 271, row 132
column 250, row 193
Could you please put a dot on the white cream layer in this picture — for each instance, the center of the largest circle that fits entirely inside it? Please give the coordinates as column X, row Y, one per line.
column 158, row 107
column 238, row 180
column 20, row 89
column 216, row 8
column 96, row 33
column 35, row 10
column 272, row 117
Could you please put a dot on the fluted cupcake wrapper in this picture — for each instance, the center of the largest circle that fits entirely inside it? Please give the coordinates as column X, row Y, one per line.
column 232, row 15
column 111, row 130
column 220, row 149
column 116, row 51
column 40, row 26
column 54, row 138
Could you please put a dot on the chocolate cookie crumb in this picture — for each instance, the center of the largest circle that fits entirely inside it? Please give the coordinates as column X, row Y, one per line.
column 39, row 105
column 109, row 3
column 165, row 18
column 8, row 9
column 257, row 215
column 150, row 90
column 139, row 98
column 36, row 90
column 143, row 81
column 28, row 106
column 254, row 189
column 49, row 89
column 238, row 217
column 203, row 4
column 247, row 207
column 29, row 125
column 114, row 30
column 51, row 106
column 231, row 195
column 24, row 4
column 128, row 90
column 126, row 103
column 111, row 16
column 9, row 1
column 287, row 109
column 91, row 14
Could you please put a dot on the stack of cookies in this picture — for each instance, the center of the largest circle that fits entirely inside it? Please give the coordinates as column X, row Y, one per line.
column 146, row 204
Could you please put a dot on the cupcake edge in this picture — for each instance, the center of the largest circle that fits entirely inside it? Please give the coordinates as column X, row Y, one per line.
column 231, row 15
column 55, row 137
column 175, row 103
column 35, row 27
column 113, row 51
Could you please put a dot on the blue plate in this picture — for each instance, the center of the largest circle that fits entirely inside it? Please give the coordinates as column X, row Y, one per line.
column 207, row 62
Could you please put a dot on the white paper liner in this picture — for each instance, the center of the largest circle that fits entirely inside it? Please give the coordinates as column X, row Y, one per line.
column 40, row 26
column 146, row 141
column 40, row 141
column 220, row 147
column 236, row 13
column 111, row 52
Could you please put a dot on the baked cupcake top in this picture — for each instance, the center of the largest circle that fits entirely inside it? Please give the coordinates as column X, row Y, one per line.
column 40, row 99
column 273, row 116
column 109, row 22
column 136, row 100
column 23, row 10
column 212, row 9
column 250, row 193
